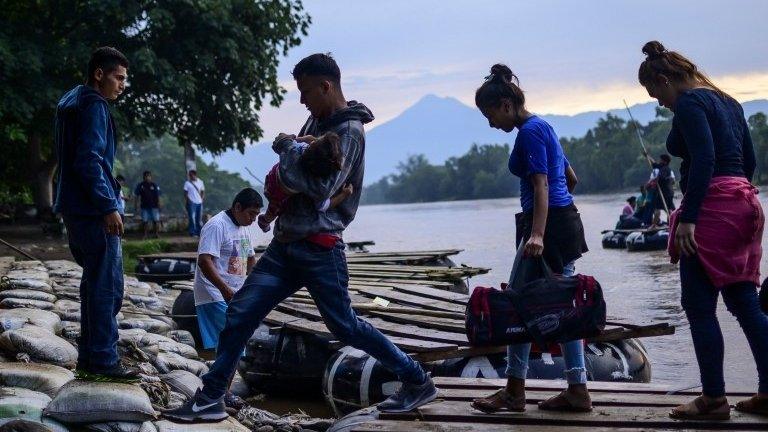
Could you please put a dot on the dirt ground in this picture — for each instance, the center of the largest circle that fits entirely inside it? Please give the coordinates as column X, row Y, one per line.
column 31, row 239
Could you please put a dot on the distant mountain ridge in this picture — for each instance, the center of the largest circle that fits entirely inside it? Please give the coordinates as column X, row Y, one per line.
column 440, row 128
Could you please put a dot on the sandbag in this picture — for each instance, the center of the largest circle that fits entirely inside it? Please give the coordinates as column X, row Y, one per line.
column 40, row 344
column 13, row 319
column 183, row 382
column 44, row 378
column 97, row 402
column 166, row 362
column 165, row 344
column 13, row 303
column 70, row 329
column 22, row 403
column 28, row 295
column 182, row 336
column 146, row 426
column 228, row 425
column 151, row 325
column 26, row 425
column 31, row 284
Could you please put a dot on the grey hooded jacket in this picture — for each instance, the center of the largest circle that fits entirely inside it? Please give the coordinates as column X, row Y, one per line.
column 300, row 217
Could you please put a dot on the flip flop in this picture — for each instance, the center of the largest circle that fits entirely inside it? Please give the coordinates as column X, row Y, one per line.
column 753, row 405
column 703, row 410
column 561, row 403
column 499, row 401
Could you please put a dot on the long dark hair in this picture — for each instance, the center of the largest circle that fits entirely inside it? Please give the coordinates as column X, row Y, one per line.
column 499, row 85
column 671, row 64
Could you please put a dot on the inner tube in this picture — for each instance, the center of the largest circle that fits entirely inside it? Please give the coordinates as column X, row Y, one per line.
column 614, row 240
column 185, row 305
column 355, row 380
column 642, row 241
column 164, row 270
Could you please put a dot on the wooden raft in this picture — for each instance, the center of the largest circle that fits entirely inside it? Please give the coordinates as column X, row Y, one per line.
column 617, row 406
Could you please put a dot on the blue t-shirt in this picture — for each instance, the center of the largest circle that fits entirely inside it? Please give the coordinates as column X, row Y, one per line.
column 537, row 151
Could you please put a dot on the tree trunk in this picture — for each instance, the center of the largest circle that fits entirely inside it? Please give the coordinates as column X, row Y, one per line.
column 42, row 171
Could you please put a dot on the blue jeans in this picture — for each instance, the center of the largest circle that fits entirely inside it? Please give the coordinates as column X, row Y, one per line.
column 282, row 270
column 101, row 290
column 195, row 213
column 699, row 300
column 573, row 353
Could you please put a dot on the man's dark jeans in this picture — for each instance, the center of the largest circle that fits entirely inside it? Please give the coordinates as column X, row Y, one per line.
column 195, row 215
column 699, row 299
column 101, row 290
column 282, row 270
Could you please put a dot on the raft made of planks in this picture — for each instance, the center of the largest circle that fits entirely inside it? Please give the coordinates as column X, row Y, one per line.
column 626, row 407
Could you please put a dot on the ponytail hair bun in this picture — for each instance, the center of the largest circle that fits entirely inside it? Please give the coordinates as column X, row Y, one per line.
column 504, row 73
column 654, row 49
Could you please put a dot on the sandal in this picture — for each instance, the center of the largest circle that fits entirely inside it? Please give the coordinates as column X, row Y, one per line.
column 754, row 405
column 499, row 401
column 563, row 402
column 700, row 409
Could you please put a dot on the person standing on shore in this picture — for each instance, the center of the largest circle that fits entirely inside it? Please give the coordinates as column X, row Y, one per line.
column 148, row 200
column 549, row 225
column 88, row 198
column 292, row 260
column 711, row 137
column 194, row 195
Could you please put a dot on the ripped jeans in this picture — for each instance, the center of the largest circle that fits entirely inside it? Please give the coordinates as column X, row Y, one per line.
column 573, row 353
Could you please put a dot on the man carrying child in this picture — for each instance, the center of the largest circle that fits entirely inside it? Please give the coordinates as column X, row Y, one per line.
column 299, row 255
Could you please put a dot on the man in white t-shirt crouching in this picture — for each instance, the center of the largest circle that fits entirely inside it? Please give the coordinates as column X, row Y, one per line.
column 224, row 257
column 194, row 194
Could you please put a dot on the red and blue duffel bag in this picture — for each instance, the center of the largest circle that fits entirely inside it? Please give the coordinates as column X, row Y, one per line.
column 538, row 306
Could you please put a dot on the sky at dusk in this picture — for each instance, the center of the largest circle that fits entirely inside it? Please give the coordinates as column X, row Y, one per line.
column 570, row 56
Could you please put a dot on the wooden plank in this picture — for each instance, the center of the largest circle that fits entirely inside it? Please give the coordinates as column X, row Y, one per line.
column 594, row 386
column 598, row 398
column 609, row 416
column 433, row 283
column 408, row 331
column 420, row 290
column 276, row 318
column 182, row 256
column 445, row 324
column 409, row 299
column 429, row 426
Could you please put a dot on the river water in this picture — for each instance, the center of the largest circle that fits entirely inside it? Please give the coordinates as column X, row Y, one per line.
column 640, row 287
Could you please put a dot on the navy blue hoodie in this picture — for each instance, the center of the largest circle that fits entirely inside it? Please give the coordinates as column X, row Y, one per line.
column 84, row 141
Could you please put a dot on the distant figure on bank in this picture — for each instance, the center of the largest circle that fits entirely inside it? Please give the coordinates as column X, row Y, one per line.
column 320, row 157
column 663, row 182
column 194, row 194
column 122, row 199
column 711, row 136
column 225, row 256
column 88, row 197
column 299, row 256
column 549, row 225
column 148, row 200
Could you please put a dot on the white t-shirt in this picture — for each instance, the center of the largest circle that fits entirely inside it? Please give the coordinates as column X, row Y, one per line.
column 230, row 245
column 193, row 194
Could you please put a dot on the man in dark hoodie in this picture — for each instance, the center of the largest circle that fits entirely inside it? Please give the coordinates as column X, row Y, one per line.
column 292, row 261
column 88, row 198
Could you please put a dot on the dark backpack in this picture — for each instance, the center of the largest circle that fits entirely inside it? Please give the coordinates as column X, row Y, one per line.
column 537, row 306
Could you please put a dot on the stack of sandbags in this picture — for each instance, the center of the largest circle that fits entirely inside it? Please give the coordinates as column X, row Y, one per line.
column 27, row 285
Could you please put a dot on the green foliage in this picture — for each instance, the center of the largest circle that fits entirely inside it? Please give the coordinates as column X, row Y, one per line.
column 200, row 70
column 133, row 248
column 607, row 159
column 480, row 173
column 165, row 159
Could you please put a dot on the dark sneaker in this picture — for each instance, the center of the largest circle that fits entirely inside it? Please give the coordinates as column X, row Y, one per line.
column 198, row 409
column 117, row 373
column 410, row 397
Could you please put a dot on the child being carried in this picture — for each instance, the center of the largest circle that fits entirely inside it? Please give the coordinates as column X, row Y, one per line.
column 320, row 157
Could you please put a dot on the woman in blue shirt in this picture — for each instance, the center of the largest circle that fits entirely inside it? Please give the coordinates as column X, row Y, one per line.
column 549, row 225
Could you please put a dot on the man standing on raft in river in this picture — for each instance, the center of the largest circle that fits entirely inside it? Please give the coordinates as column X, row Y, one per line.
column 308, row 251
